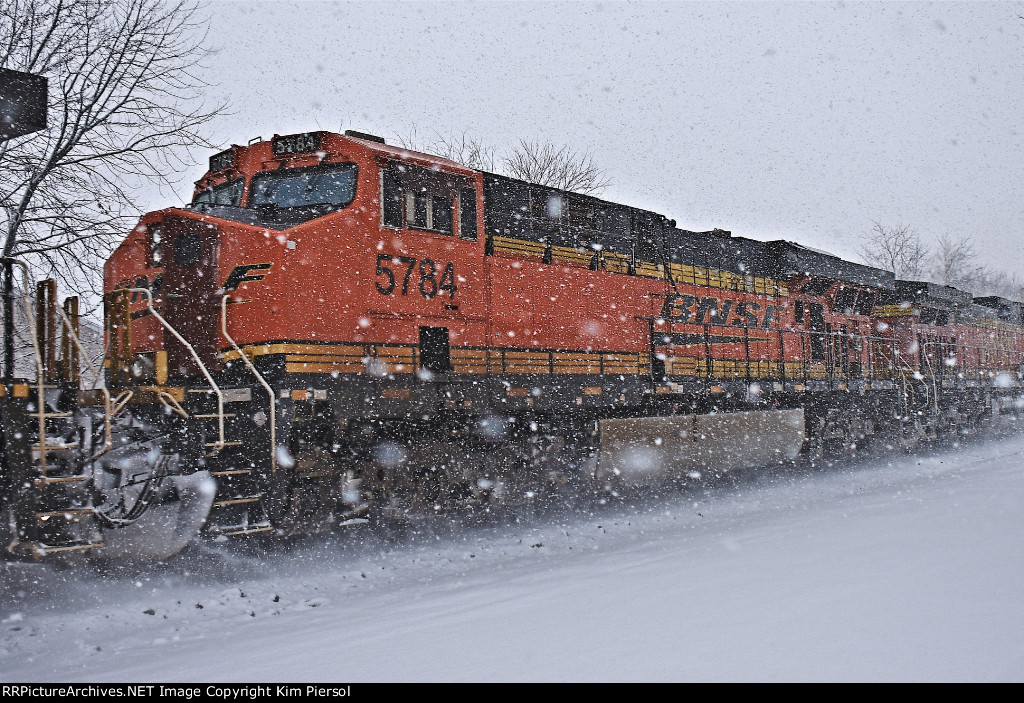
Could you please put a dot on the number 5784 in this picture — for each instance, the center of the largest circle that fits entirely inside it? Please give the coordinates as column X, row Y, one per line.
column 423, row 271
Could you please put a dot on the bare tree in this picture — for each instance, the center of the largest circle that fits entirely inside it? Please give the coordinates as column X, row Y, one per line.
column 956, row 263
column 412, row 140
column 560, row 167
column 995, row 282
column 462, row 149
column 542, row 163
column 124, row 106
column 468, row 151
column 897, row 249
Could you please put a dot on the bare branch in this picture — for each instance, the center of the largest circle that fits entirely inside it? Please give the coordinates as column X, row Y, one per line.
column 560, row 167
column 468, row 151
column 897, row 249
column 956, row 263
column 542, row 163
column 125, row 102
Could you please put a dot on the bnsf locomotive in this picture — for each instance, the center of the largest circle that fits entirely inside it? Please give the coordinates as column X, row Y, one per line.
column 337, row 328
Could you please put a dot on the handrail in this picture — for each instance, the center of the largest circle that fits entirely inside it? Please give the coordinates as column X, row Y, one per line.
column 108, row 412
column 897, row 359
column 220, row 443
column 168, row 401
column 259, row 377
column 935, row 386
column 979, row 347
column 120, row 401
column 39, row 362
column 803, row 335
column 904, row 368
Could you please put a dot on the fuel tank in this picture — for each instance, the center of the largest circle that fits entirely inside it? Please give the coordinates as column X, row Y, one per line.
column 644, row 450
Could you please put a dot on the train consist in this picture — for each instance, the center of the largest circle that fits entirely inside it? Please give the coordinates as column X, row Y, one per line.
column 339, row 328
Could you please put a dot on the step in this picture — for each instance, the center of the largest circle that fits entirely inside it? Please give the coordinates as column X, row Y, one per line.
column 237, row 530
column 43, row 548
column 56, row 447
column 353, row 521
column 231, row 472
column 47, row 480
column 68, row 514
column 236, row 501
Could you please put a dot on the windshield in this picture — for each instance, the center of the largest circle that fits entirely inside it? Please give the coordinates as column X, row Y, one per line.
column 226, row 194
column 332, row 185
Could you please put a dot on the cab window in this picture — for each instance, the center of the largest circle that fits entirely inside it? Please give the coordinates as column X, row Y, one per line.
column 229, row 194
column 418, row 198
column 332, row 186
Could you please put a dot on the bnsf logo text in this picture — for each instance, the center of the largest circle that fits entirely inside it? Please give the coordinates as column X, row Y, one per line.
column 681, row 308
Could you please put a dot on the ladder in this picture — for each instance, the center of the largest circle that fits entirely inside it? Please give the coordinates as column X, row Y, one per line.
column 239, row 506
column 45, row 485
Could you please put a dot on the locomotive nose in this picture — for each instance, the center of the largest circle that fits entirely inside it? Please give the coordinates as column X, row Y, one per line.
column 189, row 291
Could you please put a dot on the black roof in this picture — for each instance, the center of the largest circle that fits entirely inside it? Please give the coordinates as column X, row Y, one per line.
column 1007, row 309
column 932, row 293
column 791, row 259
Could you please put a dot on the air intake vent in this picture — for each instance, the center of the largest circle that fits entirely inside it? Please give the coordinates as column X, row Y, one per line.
column 364, row 135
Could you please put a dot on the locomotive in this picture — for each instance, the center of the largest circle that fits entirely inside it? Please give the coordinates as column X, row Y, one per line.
column 336, row 329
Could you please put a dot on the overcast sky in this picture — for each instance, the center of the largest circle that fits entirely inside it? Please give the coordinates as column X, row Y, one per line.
column 804, row 121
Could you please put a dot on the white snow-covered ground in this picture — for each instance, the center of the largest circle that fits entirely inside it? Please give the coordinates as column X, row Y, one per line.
column 899, row 568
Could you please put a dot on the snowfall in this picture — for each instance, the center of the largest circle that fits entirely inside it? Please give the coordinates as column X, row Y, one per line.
column 887, row 568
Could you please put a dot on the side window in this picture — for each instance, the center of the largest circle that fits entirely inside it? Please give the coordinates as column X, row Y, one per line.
column 417, row 198
column 441, row 214
column 416, row 209
column 467, row 214
column 225, row 194
column 229, row 193
column 391, row 199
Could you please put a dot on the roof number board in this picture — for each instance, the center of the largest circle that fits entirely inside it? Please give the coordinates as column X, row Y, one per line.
column 296, row 143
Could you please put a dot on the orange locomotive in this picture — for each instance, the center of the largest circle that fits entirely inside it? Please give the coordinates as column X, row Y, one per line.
column 958, row 358
column 337, row 327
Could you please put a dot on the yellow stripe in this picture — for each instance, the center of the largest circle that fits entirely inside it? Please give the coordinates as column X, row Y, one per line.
column 252, row 350
column 892, row 311
column 349, row 359
column 619, row 263
column 325, row 358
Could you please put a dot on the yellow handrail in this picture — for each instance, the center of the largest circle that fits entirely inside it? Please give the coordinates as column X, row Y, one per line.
column 259, row 377
column 220, row 443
